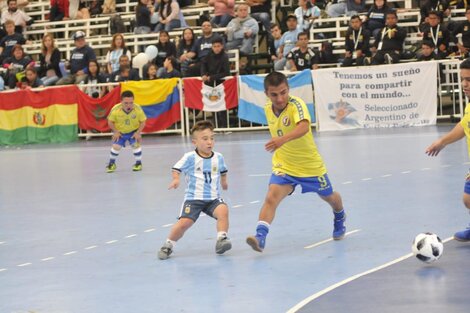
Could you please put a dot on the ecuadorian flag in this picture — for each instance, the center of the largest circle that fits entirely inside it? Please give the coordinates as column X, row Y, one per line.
column 160, row 100
column 38, row 117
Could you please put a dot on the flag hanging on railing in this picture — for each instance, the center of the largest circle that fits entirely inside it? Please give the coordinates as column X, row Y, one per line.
column 48, row 116
column 160, row 100
column 200, row 96
column 93, row 113
column 253, row 99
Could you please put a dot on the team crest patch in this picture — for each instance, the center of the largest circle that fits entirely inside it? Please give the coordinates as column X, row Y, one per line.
column 214, row 169
column 133, row 116
column 187, row 209
column 286, row 121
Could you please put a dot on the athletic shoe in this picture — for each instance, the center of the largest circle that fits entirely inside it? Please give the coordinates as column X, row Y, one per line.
column 223, row 244
column 111, row 167
column 165, row 251
column 367, row 61
column 339, row 228
column 463, row 235
column 388, row 58
column 256, row 242
column 137, row 167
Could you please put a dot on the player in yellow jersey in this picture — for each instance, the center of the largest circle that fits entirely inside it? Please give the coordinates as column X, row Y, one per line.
column 460, row 130
column 295, row 161
column 126, row 120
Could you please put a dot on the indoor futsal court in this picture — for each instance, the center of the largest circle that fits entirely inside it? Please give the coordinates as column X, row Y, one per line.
column 76, row 239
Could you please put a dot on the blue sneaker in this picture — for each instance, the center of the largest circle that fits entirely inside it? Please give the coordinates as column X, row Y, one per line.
column 339, row 228
column 463, row 235
column 256, row 242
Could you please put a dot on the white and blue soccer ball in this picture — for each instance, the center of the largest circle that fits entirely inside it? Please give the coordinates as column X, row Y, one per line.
column 427, row 247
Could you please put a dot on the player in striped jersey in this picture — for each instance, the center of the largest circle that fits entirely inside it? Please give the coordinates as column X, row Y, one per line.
column 205, row 171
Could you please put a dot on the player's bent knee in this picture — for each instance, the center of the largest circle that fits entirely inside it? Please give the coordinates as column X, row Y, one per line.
column 221, row 212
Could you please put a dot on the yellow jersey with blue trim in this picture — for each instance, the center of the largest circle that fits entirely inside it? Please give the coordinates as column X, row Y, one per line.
column 126, row 122
column 298, row 157
column 465, row 122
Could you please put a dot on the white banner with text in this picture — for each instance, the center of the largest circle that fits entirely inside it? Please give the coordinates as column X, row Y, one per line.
column 396, row 95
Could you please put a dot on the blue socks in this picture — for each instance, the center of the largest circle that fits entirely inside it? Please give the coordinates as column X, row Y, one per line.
column 339, row 215
column 262, row 229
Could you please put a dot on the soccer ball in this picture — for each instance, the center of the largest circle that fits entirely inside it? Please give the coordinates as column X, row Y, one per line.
column 427, row 247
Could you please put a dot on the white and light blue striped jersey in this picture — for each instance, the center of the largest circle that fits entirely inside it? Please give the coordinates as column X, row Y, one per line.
column 202, row 175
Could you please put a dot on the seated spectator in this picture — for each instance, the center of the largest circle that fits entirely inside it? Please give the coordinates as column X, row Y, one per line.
column 79, row 59
column 124, row 62
column 185, row 45
column 427, row 51
column 436, row 32
column 389, row 42
column 356, row 43
column 274, row 44
column 306, row 13
column 260, row 10
column 151, row 72
column 143, row 12
column 242, row 31
column 346, row 7
column 59, row 10
column 31, row 79
column 464, row 29
column 16, row 65
column 215, row 64
column 49, row 59
column 302, row 57
column 376, row 16
column 124, row 74
column 169, row 68
column 166, row 48
column 78, row 10
column 95, row 7
column 93, row 78
column 223, row 12
column 10, row 40
column 441, row 6
column 18, row 16
column 109, row 6
column 21, row 4
column 118, row 48
column 170, row 16
column 287, row 43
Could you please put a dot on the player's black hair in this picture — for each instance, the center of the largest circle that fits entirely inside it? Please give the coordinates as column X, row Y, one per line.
column 274, row 79
column 465, row 65
column 202, row 125
column 127, row 94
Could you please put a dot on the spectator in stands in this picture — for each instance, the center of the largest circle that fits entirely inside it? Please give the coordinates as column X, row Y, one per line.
column 170, row 16
column 185, row 45
column 95, row 7
column 21, row 4
column 436, row 32
column 388, row 42
column 376, row 16
column 10, row 40
column 356, row 42
column 427, row 51
column 109, row 6
column 166, row 48
column 59, row 10
column 224, row 12
column 93, row 78
column 32, row 79
column 78, row 10
column 464, row 29
column 79, row 59
column 118, row 48
column 16, row 65
column 169, row 67
column 151, row 72
column 18, row 16
column 306, row 13
column 124, row 62
column 260, row 10
column 201, row 48
column 440, row 6
column 287, row 43
column 302, row 57
column 346, row 7
column 215, row 64
column 275, row 43
column 49, row 59
column 143, row 12
column 242, row 31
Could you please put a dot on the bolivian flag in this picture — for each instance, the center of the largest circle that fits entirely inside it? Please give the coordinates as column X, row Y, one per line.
column 38, row 117
column 160, row 100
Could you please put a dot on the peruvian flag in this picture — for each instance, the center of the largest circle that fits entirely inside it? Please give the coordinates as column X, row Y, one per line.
column 198, row 95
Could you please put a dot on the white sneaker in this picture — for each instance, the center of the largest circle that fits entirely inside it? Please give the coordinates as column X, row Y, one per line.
column 165, row 251
column 223, row 244
column 388, row 58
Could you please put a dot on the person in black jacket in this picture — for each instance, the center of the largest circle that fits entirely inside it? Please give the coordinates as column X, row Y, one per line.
column 440, row 6
column 166, row 48
column 464, row 29
column 16, row 64
column 376, row 16
column 215, row 64
column 49, row 59
column 357, row 42
column 124, row 62
column 436, row 32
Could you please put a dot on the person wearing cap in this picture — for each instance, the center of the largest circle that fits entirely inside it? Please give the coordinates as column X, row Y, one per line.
column 79, row 59
column 20, row 18
column 287, row 43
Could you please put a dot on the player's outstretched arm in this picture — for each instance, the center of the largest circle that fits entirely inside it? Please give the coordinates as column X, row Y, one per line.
column 175, row 181
column 301, row 129
column 223, row 181
column 455, row 134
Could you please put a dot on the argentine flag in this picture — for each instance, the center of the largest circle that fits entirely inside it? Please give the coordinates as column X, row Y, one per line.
column 253, row 99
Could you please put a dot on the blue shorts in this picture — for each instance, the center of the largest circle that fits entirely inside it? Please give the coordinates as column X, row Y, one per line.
column 318, row 184
column 193, row 208
column 467, row 183
column 124, row 138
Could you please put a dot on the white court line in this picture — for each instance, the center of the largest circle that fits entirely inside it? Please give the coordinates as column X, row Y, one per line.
column 259, row 175
column 3, row 269
column 167, row 225
column 91, row 247
column 24, row 264
column 149, row 230
column 425, row 169
column 237, row 206
column 406, row 172
column 130, row 236
column 466, row 163
column 253, row 202
column 347, row 182
column 304, row 302
column 111, row 242
column 2, row 242
column 386, row 175
column 446, row 165
column 48, row 259
column 70, row 253
column 366, row 179
column 330, row 239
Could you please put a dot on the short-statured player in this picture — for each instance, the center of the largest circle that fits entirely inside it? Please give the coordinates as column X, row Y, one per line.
column 205, row 172
column 295, row 160
column 126, row 120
